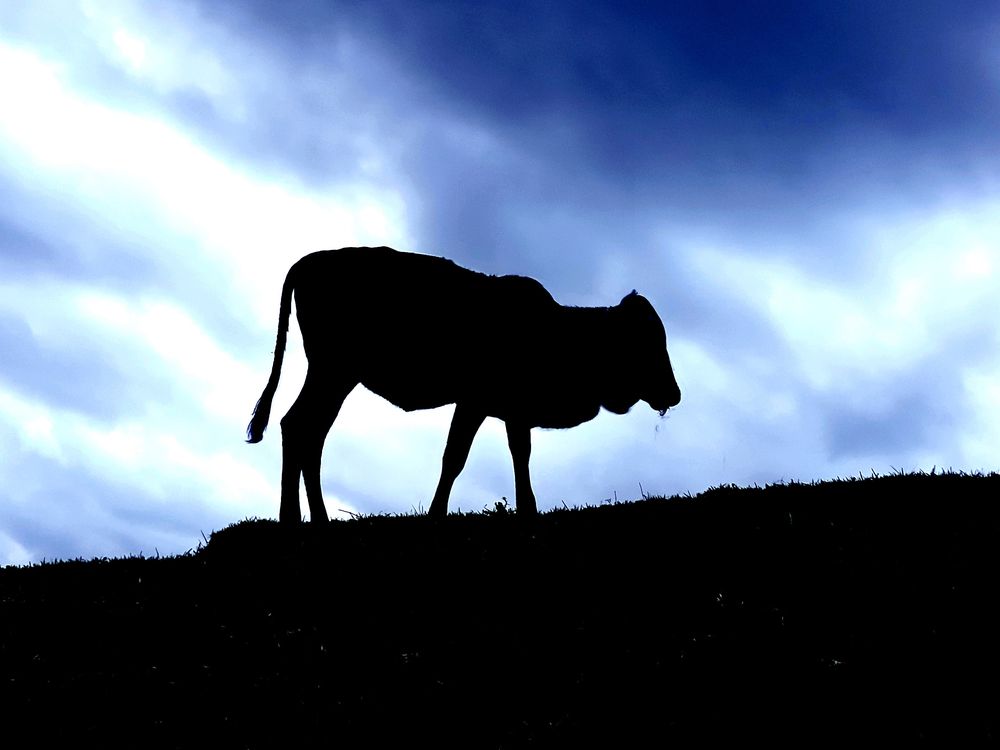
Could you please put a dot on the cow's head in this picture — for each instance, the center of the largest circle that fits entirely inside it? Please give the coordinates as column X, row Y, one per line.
column 644, row 368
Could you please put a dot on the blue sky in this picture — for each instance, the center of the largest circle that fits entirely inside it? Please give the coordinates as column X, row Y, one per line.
column 809, row 193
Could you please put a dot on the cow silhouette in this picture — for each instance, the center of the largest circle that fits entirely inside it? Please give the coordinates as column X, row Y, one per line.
column 422, row 332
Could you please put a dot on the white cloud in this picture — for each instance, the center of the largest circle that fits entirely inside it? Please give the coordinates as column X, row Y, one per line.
column 929, row 278
column 136, row 170
column 137, row 173
column 215, row 378
column 33, row 424
column 981, row 438
column 901, row 324
column 169, row 48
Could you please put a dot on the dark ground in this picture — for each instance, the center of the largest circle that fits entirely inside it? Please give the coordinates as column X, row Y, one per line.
column 836, row 612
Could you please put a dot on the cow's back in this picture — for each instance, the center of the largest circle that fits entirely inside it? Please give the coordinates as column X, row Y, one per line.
column 419, row 330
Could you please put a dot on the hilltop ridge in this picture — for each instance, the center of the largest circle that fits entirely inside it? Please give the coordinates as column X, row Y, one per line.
column 796, row 612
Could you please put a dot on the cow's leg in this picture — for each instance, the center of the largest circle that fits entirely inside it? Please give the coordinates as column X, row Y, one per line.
column 303, row 431
column 291, row 471
column 519, row 440
column 326, row 413
column 464, row 426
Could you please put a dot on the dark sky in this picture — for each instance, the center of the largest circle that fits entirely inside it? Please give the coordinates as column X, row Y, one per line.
column 807, row 192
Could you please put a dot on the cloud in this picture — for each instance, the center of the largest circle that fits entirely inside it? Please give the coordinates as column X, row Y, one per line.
column 880, row 364
column 124, row 351
column 808, row 197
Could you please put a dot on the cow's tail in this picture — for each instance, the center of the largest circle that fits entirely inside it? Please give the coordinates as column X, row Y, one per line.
column 262, row 411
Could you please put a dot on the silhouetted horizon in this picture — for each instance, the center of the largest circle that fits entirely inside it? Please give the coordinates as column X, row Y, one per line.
column 802, row 613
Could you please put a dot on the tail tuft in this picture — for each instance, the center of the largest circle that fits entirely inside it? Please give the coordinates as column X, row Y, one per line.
column 258, row 422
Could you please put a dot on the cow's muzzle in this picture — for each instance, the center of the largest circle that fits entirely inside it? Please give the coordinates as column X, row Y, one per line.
column 662, row 405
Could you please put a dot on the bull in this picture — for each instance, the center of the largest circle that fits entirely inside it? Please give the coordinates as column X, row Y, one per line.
column 423, row 332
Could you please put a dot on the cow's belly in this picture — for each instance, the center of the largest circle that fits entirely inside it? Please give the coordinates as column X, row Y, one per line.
column 411, row 391
column 498, row 383
column 408, row 400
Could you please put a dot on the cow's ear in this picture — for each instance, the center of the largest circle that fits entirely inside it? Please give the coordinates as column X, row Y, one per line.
column 630, row 295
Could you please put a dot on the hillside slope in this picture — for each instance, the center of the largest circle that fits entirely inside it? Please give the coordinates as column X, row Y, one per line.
column 789, row 613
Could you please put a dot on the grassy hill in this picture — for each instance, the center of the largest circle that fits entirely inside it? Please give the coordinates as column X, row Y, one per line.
column 826, row 612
